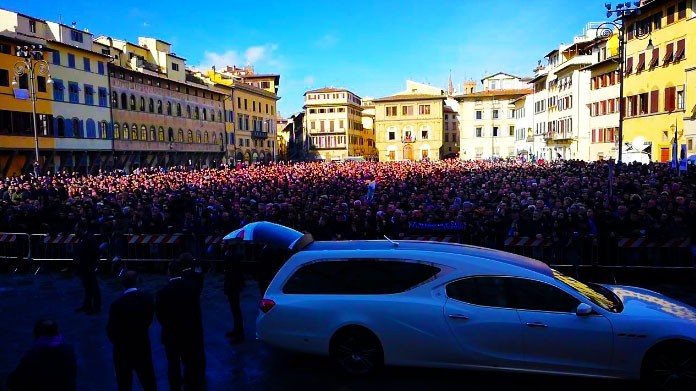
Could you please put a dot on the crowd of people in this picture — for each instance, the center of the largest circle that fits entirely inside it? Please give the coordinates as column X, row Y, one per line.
column 490, row 200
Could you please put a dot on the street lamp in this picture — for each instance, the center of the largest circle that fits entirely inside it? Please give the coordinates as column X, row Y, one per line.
column 675, row 150
column 606, row 30
column 33, row 65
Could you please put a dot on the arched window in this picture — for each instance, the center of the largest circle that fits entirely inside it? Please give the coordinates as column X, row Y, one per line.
column 153, row 135
column 160, row 134
column 159, row 107
column 205, row 137
column 188, row 111
column 125, row 133
column 219, row 116
column 220, row 140
column 134, row 132
column 169, row 108
column 198, row 136
column 170, row 134
column 212, row 115
column 180, row 136
column 103, row 130
column 151, row 105
column 60, row 126
column 205, row 114
column 142, row 103
column 77, row 132
column 117, row 131
column 143, row 133
column 189, row 137
column 196, row 113
column 214, row 138
column 178, row 109
column 132, row 102
column 114, row 100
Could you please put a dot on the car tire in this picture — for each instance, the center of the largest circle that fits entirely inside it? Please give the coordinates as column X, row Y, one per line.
column 357, row 351
column 670, row 367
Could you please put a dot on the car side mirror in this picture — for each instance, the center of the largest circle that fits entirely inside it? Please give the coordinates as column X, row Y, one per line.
column 583, row 309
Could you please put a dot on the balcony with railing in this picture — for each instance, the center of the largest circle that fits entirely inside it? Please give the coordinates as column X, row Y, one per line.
column 258, row 134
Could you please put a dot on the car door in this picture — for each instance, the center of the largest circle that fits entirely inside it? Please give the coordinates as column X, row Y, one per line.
column 488, row 332
column 554, row 336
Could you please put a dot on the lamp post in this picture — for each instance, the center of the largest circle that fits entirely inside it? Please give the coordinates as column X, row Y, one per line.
column 33, row 65
column 606, row 30
column 675, row 150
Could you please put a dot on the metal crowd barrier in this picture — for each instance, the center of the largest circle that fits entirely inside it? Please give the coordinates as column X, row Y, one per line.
column 120, row 251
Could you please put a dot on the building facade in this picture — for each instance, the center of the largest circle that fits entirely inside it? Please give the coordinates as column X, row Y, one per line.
column 161, row 115
column 487, row 117
column 659, row 101
column 368, row 124
column 604, row 99
column 410, row 125
column 253, row 110
column 450, row 141
column 333, row 119
column 524, row 126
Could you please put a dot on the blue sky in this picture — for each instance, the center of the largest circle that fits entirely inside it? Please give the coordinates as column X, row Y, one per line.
column 369, row 47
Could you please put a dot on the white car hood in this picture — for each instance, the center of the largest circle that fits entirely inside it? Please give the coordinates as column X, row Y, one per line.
column 645, row 303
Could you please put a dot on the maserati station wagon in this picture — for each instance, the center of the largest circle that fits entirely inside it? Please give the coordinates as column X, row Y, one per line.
column 367, row 304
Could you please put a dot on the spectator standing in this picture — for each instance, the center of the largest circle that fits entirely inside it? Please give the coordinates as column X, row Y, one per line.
column 234, row 284
column 130, row 317
column 50, row 364
column 178, row 310
column 87, row 257
column 192, row 272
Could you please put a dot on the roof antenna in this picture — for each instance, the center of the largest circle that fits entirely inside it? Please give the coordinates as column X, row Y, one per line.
column 391, row 241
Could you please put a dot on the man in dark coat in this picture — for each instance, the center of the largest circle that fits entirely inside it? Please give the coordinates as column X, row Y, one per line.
column 178, row 310
column 234, row 284
column 192, row 271
column 130, row 317
column 86, row 255
column 49, row 365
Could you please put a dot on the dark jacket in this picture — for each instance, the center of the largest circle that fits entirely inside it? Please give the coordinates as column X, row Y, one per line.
column 49, row 365
column 195, row 278
column 130, row 317
column 234, row 272
column 86, row 253
column 178, row 310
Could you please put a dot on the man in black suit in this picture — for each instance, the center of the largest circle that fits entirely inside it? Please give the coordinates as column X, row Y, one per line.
column 178, row 310
column 130, row 317
column 192, row 271
column 49, row 365
column 86, row 255
column 234, row 284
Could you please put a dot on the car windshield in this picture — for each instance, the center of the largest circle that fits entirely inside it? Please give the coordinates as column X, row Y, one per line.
column 596, row 293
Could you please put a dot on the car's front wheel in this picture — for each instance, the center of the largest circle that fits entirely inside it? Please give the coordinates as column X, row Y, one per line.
column 357, row 351
column 671, row 367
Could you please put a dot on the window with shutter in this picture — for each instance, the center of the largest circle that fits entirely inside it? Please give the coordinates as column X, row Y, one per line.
column 670, row 93
column 669, row 53
column 670, row 14
column 655, row 58
column 641, row 62
column 681, row 10
column 622, row 108
column 679, row 55
column 654, row 97
column 629, row 66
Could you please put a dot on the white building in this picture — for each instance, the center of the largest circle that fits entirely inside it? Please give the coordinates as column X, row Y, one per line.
column 604, row 100
column 524, row 126
column 487, row 123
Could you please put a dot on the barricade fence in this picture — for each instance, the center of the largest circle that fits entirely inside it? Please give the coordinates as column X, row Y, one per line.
column 119, row 250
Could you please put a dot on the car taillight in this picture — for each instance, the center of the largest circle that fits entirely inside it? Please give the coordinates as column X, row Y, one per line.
column 266, row 304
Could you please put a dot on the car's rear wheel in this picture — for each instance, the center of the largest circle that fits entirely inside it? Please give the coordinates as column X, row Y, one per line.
column 357, row 351
column 671, row 367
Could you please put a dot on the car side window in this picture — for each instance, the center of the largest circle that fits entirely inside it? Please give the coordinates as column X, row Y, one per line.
column 359, row 277
column 533, row 295
column 486, row 291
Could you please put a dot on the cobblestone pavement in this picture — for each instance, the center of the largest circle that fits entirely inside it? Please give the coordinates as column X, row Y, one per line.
column 247, row 366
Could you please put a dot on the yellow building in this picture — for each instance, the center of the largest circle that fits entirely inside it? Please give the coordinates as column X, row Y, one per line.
column 656, row 101
column 253, row 106
column 333, row 119
column 16, row 134
column 410, row 124
column 368, row 124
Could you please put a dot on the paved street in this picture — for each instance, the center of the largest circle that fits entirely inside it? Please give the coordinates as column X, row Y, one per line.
column 247, row 366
